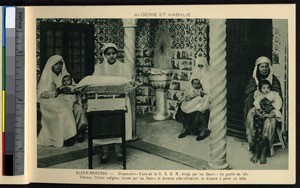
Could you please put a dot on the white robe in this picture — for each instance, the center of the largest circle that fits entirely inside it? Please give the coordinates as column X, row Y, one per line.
column 58, row 122
column 123, row 70
column 269, row 123
column 201, row 72
column 272, row 96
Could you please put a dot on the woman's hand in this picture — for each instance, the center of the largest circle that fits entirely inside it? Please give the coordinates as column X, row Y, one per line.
column 270, row 115
column 258, row 112
column 187, row 98
column 52, row 86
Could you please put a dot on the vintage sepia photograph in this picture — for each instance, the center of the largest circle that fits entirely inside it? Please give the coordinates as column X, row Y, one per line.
column 162, row 94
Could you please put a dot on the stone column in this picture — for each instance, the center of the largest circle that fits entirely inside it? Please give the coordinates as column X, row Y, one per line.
column 218, row 118
column 129, row 58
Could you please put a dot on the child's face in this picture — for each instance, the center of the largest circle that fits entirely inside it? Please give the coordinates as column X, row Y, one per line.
column 196, row 84
column 67, row 81
column 111, row 55
column 265, row 89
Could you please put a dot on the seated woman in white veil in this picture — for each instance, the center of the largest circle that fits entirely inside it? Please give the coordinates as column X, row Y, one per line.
column 193, row 111
column 62, row 124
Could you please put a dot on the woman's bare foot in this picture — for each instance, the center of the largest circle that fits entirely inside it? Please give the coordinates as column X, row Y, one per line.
column 254, row 158
column 263, row 159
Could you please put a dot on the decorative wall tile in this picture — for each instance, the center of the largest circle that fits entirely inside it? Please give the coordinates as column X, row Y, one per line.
column 188, row 38
column 145, row 33
column 276, row 44
column 280, row 61
column 108, row 31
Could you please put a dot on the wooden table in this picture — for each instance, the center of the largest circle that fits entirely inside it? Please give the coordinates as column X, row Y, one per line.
column 106, row 124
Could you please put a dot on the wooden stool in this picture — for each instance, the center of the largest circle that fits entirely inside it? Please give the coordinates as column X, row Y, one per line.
column 280, row 143
column 106, row 124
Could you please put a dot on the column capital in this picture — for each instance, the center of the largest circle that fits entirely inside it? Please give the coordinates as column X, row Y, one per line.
column 129, row 22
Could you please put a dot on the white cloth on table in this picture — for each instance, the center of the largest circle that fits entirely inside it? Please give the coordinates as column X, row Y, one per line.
column 116, row 82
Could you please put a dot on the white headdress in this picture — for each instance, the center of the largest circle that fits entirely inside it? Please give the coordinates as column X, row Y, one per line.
column 109, row 45
column 117, row 69
column 201, row 71
column 259, row 61
column 46, row 77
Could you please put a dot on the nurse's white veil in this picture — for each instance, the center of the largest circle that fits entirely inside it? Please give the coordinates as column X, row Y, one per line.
column 201, row 71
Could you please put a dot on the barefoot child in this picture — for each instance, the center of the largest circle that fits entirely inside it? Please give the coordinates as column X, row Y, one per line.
column 267, row 105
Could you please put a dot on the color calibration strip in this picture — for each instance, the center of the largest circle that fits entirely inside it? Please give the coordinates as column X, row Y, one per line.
column 9, row 88
column 3, row 90
column 13, row 91
column 19, row 92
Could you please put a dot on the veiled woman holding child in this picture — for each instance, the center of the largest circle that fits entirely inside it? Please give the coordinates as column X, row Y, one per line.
column 193, row 112
column 262, row 109
column 63, row 120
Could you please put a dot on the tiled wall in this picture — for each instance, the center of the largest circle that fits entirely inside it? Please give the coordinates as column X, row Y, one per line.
column 189, row 37
column 145, row 45
column 280, row 61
